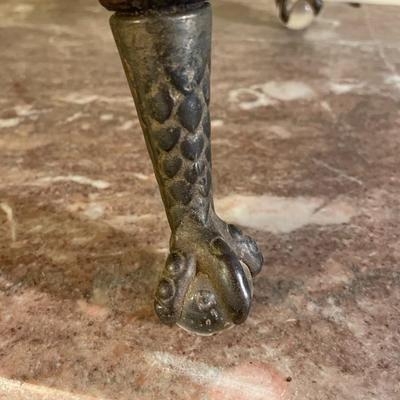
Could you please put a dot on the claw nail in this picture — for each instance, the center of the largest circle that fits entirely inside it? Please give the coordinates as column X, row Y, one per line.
column 234, row 231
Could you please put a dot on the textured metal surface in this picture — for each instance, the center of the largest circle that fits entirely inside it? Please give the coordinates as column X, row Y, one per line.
column 206, row 285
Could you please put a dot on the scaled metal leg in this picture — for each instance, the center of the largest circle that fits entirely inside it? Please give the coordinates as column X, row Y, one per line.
column 165, row 47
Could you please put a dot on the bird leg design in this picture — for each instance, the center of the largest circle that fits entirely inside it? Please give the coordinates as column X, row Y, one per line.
column 165, row 47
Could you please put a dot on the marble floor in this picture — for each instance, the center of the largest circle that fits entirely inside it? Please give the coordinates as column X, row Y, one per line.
column 306, row 141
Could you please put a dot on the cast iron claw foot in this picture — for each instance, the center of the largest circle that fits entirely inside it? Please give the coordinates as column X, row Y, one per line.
column 207, row 283
column 166, row 52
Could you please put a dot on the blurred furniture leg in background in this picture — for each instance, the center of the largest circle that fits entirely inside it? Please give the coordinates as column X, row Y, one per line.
column 298, row 14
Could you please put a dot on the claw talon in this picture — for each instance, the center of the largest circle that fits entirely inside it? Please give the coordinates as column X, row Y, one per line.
column 249, row 252
column 213, row 277
column 234, row 231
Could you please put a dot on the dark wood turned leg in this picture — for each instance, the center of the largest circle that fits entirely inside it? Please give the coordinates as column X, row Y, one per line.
column 206, row 285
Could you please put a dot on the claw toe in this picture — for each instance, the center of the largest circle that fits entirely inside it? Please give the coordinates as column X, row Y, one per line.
column 208, row 287
column 248, row 250
column 174, row 283
column 235, row 284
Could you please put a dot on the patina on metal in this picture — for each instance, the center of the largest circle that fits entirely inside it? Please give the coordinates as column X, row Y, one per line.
column 165, row 47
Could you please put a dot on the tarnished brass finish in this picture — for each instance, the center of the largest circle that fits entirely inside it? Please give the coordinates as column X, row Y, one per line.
column 206, row 285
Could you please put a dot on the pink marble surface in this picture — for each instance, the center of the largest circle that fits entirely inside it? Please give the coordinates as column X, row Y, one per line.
column 306, row 156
